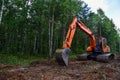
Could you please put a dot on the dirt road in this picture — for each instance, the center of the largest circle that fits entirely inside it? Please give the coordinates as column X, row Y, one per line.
column 50, row 70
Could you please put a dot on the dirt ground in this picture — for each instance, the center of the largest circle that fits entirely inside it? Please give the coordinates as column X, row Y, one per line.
column 50, row 70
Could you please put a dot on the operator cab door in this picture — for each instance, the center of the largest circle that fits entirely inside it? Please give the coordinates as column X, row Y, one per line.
column 99, row 45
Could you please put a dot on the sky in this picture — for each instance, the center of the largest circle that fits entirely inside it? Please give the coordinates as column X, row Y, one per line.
column 111, row 8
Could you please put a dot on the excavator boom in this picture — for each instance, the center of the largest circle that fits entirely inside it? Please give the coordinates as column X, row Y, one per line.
column 71, row 32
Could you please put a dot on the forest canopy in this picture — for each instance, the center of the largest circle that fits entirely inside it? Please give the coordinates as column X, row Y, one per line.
column 40, row 26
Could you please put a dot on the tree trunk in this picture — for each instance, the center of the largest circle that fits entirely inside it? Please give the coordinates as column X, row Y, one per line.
column 35, row 42
column 49, row 39
column 51, row 35
column 119, row 46
column 64, row 31
column 24, row 40
column 1, row 12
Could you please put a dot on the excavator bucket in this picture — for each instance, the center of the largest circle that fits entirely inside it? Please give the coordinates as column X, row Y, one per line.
column 62, row 56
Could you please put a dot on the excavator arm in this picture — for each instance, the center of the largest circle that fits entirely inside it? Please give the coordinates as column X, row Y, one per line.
column 62, row 54
column 71, row 32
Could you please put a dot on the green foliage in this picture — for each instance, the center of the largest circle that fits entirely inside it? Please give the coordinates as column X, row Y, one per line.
column 28, row 25
column 19, row 59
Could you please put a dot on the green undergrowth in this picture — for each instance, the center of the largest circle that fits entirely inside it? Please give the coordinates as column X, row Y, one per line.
column 26, row 59
column 73, row 56
column 19, row 58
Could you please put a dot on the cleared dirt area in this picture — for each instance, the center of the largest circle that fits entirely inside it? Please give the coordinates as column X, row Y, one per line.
column 50, row 70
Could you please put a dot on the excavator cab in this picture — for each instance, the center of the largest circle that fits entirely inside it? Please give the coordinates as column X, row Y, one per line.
column 99, row 45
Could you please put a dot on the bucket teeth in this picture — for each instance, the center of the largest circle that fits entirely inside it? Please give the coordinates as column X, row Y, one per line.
column 62, row 56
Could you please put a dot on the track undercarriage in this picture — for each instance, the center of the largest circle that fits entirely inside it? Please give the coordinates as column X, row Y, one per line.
column 63, row 55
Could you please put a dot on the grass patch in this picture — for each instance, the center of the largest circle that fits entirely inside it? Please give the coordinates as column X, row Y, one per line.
column 19, row 59
column 73, row 56
column 26, row 59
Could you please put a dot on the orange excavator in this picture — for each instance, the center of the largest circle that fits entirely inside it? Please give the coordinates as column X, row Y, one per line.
column 97, row 50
